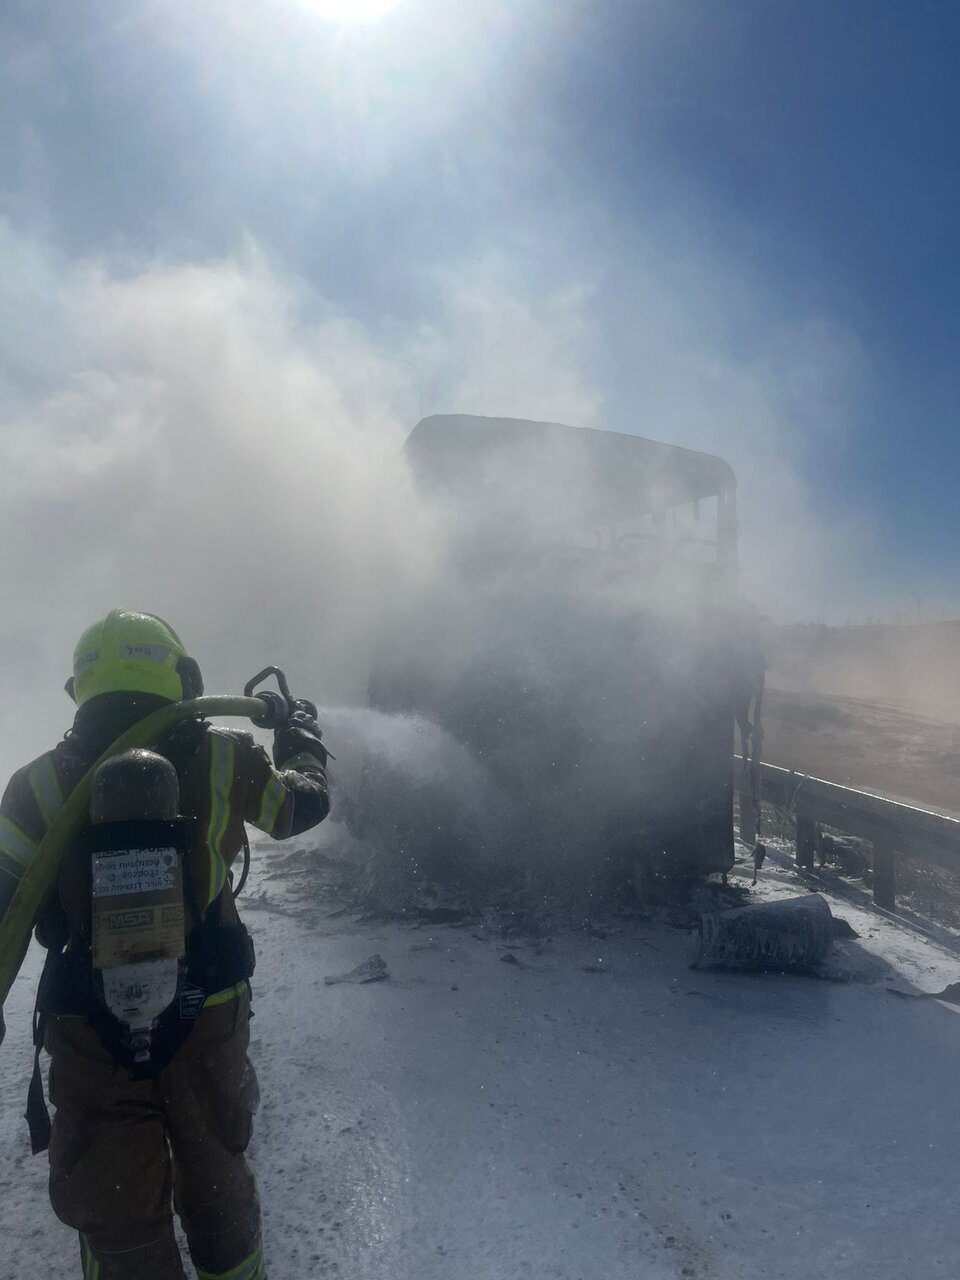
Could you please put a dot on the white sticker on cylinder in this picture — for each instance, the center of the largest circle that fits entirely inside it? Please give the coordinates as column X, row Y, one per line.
column 134, row 871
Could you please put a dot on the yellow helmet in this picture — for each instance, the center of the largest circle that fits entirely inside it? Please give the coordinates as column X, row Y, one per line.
column 132, row 652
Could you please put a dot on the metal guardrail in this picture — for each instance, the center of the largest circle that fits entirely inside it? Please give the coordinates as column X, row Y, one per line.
column 894, row 830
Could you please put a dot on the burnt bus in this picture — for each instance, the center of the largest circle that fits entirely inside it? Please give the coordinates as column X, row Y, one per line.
column 580, row 637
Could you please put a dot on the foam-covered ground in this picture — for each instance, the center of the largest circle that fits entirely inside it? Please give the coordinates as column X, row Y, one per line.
column 597, row 1109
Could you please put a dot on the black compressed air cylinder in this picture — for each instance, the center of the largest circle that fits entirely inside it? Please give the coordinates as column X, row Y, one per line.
column 135, row 786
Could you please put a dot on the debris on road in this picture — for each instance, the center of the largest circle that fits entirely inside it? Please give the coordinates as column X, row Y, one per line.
column 372, row 970
column 794, row 934
column 950, row 993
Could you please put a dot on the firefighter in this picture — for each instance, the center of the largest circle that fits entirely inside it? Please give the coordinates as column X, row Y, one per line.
column 127, row 1147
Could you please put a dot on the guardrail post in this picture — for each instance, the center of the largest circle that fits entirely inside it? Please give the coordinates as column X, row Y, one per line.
column 893, row 829
column 806, row 842
column 748, row 818
column 885, row 876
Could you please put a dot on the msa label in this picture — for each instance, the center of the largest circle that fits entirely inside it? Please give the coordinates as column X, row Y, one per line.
column 134, row 871
column 137, row 935
column 141, row 918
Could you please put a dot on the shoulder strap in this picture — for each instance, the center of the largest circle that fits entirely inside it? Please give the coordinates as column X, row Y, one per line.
column 36, row 1115
column 223, row 749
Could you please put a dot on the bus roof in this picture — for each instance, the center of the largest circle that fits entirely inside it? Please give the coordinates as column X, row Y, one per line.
column 629, row 474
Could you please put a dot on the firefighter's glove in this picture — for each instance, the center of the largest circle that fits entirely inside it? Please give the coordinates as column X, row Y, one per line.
column 298, row 742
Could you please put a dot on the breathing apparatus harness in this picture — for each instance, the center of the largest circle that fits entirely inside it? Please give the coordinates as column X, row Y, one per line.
column 143, row 980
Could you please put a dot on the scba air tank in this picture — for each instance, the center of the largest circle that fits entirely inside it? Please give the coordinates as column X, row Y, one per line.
column 138, row 915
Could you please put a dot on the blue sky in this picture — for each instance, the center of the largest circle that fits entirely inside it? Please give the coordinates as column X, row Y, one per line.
column 773, row 185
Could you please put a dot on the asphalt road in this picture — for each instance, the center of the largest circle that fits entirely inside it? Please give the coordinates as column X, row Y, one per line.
column 590, row 1109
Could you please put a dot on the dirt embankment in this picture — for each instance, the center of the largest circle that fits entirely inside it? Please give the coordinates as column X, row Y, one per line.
column 916, row 668
column 858, row 743
column 876, row 707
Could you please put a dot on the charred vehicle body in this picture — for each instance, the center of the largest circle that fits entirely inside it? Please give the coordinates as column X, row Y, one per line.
column 581, row 639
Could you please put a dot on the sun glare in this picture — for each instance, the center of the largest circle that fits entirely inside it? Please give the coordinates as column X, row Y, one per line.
column 350, row 10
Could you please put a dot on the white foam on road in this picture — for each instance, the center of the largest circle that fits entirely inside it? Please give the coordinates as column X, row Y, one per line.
column 473, row 1118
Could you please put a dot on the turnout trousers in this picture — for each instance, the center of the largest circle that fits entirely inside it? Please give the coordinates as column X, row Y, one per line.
column 124, row 1154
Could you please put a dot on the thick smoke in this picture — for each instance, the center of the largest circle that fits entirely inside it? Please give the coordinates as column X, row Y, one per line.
column 211, row 443
column 209, row 466
column 912, row 665
column 588, row 670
